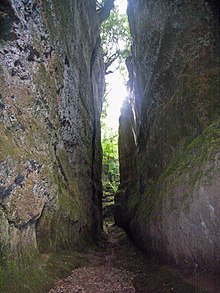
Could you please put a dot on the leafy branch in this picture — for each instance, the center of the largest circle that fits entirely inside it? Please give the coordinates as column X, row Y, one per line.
column 115, row 35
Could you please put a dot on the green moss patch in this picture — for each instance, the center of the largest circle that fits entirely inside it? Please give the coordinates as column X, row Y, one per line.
column 200, row 151
column 7, row 145
column 192, row 166
column 37, row 273
column 22, row 274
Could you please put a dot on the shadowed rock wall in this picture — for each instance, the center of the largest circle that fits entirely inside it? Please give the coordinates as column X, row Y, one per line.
column 51, row 86
column 170, row 132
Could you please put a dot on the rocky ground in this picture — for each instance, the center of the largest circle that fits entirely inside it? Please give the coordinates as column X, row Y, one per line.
column 116, row 266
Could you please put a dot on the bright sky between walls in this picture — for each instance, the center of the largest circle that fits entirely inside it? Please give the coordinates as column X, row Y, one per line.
column 116, row 84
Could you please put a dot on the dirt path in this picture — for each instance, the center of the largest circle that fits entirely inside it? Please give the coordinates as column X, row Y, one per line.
column 117, row 267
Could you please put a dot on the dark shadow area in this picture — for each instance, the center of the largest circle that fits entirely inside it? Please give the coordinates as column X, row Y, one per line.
column 7, row 18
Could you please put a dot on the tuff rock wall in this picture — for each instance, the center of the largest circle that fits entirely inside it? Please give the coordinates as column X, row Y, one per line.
column 169, row 142
column 51, row 87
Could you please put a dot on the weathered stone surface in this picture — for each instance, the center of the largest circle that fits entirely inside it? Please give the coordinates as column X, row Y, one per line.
column 51, row 87
column 171, row 206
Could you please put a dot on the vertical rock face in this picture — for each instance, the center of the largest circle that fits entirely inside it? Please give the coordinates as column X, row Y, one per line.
column 169, row 196
column 51, row 86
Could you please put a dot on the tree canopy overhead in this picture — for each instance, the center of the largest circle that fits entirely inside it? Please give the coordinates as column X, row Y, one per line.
column 115, row 35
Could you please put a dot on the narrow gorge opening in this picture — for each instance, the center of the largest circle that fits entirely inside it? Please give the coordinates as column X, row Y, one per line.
column 51, row 94
column 115, row 37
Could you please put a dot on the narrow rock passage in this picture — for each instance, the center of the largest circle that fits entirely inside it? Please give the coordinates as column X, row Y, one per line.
column 103, row 274
column 116, row 266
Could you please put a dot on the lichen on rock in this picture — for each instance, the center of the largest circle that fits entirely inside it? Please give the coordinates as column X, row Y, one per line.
column 51, row 87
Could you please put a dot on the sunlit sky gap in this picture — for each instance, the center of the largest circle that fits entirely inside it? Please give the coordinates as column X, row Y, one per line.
column 122, row 5
column 116, row 85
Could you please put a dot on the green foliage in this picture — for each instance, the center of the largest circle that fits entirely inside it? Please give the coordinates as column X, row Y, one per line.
column 109, row 144
column 110, row 156
column 115, row 35
column 110, row 150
